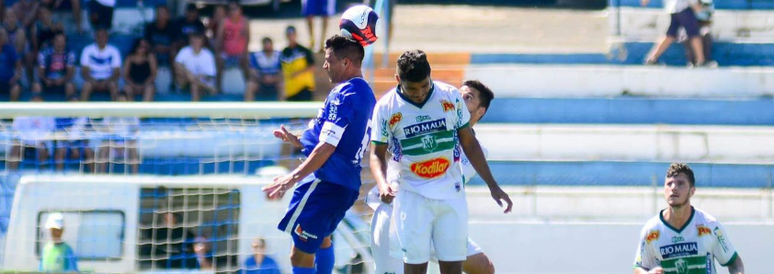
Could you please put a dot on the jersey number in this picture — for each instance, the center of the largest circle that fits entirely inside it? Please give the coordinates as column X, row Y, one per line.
column 363, row 143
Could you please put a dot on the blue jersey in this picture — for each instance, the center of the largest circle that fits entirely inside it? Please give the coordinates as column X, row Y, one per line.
column 344, row 121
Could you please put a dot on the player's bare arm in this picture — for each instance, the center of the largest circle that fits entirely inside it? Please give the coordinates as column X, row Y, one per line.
column 379, row 170
column 737, row 267
column 316, row 159
column 472, row 149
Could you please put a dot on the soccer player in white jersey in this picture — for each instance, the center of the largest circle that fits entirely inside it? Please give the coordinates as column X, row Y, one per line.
column 477, row 98
column 421, row 122
column 682, row 239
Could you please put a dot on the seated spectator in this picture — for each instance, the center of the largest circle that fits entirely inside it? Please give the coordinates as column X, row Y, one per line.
column 17, row 36
column 56, row 68
column 57, row 256
column 704, row 16
column 73, row 140
column 233, row 36
column 218, row 15
column 62, row 5
column 44, row 30
column 297, row 69
column 173, row 244
column 34, row 139
column 101, row 13
column 100, row 64
column 140, row 72
column 187, row 25
column 160, row 34
column 121, row 141
column 265, row 73
column 259, row 262
column 10, row 68
column 195, row 68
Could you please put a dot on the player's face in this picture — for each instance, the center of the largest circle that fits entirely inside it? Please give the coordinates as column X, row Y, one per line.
column 334, row 66
column 472, row 101
column 416, row 91
column 678, row 190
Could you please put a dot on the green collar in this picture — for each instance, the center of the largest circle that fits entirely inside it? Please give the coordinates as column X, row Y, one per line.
column 661, row 216
column 429, row 94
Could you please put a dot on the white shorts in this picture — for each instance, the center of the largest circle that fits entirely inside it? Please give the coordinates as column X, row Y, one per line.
column 421, row 223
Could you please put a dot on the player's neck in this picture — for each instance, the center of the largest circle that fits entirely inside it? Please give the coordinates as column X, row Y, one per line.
column 678, row 216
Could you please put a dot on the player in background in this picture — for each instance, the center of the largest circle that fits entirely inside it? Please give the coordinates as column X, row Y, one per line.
column 420, row 122
column 328, row 181
column 477, row 98
column 682, row 239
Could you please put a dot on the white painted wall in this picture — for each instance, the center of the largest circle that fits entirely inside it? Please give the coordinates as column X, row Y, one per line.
column 647, row 23
column 627, row 142
column 613, row 80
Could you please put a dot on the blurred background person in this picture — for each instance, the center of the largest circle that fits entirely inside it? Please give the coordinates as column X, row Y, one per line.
column 140, row 70
column 265, row 80
column 57, row 256
column 56, row 69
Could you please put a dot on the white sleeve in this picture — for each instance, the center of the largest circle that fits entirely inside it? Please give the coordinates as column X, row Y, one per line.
column 645, row 257
column 182, row 55
column 724, row 251
column 331, row 133
column 467, row 168
column 380, row 129
column 85, row 57
column 463, row 116
column 210, row 64
column 116, row 58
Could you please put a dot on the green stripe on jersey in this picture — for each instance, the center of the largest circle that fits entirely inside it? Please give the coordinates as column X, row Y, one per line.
column 686, row 265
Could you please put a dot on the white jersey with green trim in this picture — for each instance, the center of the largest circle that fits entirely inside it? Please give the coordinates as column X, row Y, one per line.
column 468, row 172
column 691, row 249
column 421, row 139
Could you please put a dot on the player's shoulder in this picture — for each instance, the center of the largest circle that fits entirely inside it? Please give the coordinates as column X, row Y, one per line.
column 441, row 86
column 703, row 216
column 355, row 89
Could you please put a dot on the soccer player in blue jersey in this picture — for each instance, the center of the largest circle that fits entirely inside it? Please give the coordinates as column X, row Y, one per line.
column 327, row 183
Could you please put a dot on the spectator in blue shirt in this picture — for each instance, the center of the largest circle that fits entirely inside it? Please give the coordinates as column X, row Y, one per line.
column 265, row 73
column 259, row 263
column 10, row 67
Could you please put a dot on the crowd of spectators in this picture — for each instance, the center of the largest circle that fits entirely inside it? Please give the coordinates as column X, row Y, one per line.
column 36, row 59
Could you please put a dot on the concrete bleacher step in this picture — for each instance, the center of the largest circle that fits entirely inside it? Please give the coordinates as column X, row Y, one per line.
column 613, row 80
column 651, row 23
column 719, row 4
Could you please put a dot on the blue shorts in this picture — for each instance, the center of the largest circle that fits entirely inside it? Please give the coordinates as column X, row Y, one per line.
column 686, row 19
column 318, row 7
column 314, row 213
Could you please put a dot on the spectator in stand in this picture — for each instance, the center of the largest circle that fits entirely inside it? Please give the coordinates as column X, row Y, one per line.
column 17, row 34
column 173, row 242
column 121, row 141
column 682, row 14
column 704, row 15
column 218, row 15
column 56, row 68
column 25, row 11
column 317, row 8
column 161, row 34
column 44, row 30
column 101, row 13
column 57, row 256
column 34, row 139
column 187, row 25
column 140, row 71
column 265, row 77
column 260, row 263
column 195, row 68
column 62, row 5
column 233, row 36
column 100, row 65
column 10, row 68
column 297, row 69
column 73, row 140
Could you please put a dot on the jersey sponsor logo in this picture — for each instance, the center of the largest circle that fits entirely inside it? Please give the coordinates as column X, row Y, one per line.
column 303, row 235
column 429, row 143
column 431, row 168
column 652, row 236
column 424, row 128
column 422, row 118
column 679, row 250
column 721, row 239
column 702, row 230
column 447, row 106
column 677, row 239
column 682, row 266
column 395, row 118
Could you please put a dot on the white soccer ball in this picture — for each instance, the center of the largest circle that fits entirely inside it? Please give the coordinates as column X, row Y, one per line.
column 359, row 23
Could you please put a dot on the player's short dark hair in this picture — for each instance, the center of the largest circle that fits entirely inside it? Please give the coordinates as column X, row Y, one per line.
column 485, row 94
column 344, row 47
column 266, row 39
column 677, row 168
column 413, row 66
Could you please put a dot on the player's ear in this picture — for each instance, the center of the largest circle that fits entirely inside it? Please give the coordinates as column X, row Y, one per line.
column 397, row 78
column 481, row 111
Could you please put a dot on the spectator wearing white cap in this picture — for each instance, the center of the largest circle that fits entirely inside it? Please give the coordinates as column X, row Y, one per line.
column 57, row 256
